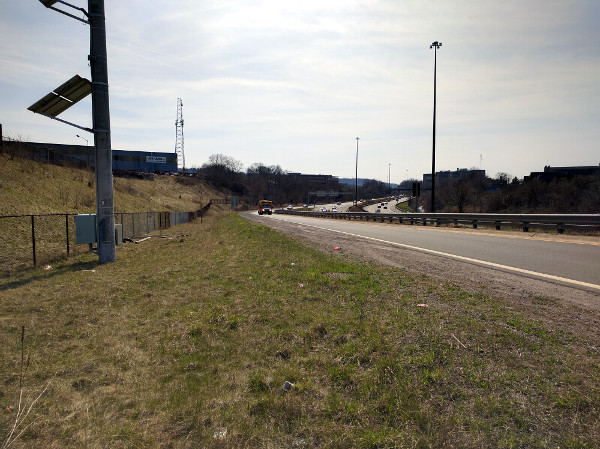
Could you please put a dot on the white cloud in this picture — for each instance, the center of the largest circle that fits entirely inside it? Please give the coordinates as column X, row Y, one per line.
column 293, row 83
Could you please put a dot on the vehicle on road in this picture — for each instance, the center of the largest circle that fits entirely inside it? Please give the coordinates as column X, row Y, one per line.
column 265, row 207
column 290, row 207
column 334, row 209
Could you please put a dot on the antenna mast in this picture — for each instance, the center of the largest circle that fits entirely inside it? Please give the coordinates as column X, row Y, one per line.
column 179, row 136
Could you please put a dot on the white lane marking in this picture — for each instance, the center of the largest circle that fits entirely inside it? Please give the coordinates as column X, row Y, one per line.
column 463, row 258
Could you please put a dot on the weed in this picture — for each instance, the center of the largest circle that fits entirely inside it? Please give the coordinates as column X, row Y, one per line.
column 21, row 423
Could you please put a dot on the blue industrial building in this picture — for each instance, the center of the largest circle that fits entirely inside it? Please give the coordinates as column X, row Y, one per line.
column 123, row 160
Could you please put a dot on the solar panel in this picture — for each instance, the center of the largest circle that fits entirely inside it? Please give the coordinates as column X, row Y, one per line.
column 63, row 97
column 48, row 3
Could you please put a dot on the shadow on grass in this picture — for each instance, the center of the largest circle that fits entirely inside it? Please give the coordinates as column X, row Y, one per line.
column 35, row 274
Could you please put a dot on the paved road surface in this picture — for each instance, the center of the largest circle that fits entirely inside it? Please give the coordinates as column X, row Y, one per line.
column 555, row 259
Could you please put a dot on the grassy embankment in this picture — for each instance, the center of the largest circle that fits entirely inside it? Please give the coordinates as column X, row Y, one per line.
column 28, row 187
column 187, row 341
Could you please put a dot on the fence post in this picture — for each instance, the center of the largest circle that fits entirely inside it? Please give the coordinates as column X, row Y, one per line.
column 33, row 239
column 67, row 230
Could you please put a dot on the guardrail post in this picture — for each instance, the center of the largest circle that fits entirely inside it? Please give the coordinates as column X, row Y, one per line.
column 474, row 224
column 525, row 226
column 560, row 228
column 497, row 226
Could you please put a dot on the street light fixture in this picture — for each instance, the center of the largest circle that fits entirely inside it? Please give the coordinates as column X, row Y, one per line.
column 435, row 46
column 356, row 177
column 81, row 137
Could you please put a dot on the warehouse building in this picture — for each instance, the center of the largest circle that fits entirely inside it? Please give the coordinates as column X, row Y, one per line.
column 83, row 155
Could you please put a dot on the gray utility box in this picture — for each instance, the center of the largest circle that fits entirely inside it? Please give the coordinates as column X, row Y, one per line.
column 85, row 228
column 118, row 233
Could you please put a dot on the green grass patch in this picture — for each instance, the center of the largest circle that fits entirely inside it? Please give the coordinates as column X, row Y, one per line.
column 187, row 341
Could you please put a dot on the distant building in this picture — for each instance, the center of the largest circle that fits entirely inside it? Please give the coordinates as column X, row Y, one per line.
column 326, row 181
column 449, row 175
column 83, row 155
column 551, row 173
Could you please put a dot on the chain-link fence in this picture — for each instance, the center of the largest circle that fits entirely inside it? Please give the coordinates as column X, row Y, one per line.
column 36, row 240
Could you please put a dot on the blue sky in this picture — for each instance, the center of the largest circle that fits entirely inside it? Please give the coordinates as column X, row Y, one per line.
column 294, row 83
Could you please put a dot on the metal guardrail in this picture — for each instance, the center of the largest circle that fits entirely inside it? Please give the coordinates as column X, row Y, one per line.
column 560, row 222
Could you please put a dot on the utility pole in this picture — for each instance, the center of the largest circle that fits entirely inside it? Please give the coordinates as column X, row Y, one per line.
column 435, row 46
column 101, row 126
column 73, row 91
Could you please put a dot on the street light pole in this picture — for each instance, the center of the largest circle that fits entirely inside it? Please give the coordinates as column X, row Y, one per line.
column 356, row 177
column 101, row 124
column 389, row 171
column 435, row 46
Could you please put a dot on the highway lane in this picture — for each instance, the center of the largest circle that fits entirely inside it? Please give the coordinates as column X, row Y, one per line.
column 563, row 261
column 388, row 207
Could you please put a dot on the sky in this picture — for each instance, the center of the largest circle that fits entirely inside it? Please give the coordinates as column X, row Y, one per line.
column 293, row 83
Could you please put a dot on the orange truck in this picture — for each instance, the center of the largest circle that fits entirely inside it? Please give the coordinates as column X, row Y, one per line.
column 265, row 207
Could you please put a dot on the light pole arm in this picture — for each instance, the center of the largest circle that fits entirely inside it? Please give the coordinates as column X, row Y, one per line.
column 49, row 4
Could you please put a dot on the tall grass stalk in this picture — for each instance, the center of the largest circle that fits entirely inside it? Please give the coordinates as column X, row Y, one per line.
column 20, row 418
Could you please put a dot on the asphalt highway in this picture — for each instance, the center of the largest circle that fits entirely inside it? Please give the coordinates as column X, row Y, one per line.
column 575, row 263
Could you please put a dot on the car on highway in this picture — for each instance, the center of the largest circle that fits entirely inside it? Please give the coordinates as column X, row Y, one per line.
column 334, row 209
column 323, row 209
column 290, row 207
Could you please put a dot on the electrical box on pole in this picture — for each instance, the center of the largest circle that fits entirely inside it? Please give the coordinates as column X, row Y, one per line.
column 179, row 136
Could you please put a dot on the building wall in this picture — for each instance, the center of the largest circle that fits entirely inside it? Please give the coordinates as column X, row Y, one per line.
column 551, row 173
column 449, row 175
column 123, row 160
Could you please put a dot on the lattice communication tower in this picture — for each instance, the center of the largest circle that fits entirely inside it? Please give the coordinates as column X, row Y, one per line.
column 179, row 136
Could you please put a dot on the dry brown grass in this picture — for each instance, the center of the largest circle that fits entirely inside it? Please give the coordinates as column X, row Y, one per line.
column 186, row 341
column 28, row 187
